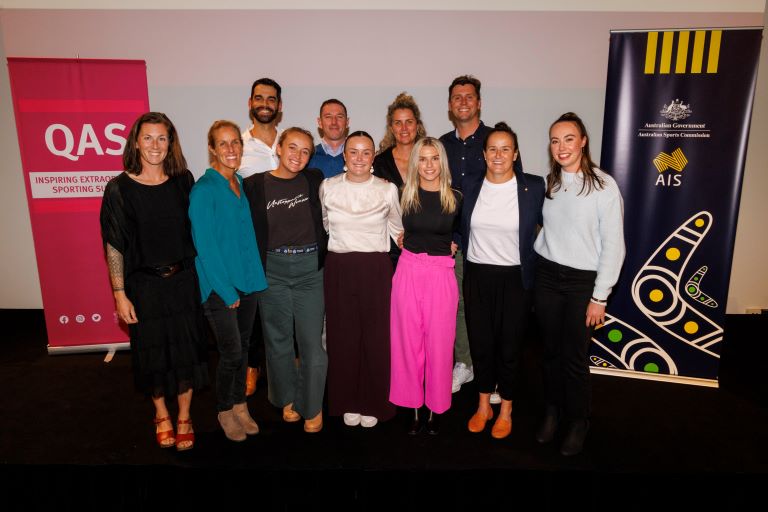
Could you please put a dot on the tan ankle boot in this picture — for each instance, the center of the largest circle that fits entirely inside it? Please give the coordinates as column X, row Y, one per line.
column 231, row 426
column 245, row 419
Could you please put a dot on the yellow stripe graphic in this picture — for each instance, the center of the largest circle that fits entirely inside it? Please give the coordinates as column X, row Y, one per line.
column 714, row 51
column 666, row 52
column 698, row 51
column 682, row 52
column 650, row 53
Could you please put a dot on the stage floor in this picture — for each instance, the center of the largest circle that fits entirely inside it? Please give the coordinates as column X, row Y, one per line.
column 73, row 426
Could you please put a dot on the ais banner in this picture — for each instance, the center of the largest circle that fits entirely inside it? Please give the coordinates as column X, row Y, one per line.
column 677, row 114
column 72, row 118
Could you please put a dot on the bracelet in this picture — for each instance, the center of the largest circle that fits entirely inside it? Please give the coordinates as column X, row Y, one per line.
column 118, row 289
column 600, row 302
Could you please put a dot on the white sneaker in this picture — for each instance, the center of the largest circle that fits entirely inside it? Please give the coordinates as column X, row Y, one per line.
column 461, row 375
column 495, row 398
column 351, row 419
column 368, row 421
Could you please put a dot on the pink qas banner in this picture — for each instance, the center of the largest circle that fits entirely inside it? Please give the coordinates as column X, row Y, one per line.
column 73, row 117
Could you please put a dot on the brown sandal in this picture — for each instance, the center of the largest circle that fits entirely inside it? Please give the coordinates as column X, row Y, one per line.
column 165, row 434
column 187, row 436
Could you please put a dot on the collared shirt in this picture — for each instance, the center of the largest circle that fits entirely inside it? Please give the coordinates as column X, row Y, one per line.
column 257, row 156
column 329, row 150
column 465, row 157
column 330, row 161
column 227, row 253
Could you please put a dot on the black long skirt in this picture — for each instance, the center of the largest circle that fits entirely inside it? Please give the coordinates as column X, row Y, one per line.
column 168, row 344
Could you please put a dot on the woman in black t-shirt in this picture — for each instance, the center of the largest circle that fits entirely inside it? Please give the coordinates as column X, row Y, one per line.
column 424, row 289
column 287, row 218
column 404, row 128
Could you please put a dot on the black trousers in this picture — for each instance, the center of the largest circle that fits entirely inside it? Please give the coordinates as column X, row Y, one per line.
column 496, row 308
column 232, row 329
column 561, row 298
column 256, row 346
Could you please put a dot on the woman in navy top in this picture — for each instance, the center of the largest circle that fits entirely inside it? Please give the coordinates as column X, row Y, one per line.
column 501, row 212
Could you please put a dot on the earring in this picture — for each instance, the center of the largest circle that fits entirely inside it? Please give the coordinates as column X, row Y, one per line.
column 371, row 169
column 345, row 168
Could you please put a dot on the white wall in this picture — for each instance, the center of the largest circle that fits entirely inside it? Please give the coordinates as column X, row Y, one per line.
column 749, row 275
column 534, row 65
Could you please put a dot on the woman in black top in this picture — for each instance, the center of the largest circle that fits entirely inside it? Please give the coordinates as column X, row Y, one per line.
column 288, row 220
column 148, row 244
column 404, row 129
column 424, row 289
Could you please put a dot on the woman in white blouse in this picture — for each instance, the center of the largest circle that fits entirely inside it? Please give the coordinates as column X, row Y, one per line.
column 361, row 213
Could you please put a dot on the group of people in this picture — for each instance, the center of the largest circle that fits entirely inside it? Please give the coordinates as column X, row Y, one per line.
column 393, row 276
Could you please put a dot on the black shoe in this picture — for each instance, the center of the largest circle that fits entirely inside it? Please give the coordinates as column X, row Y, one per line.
column 574, row 439
column 548, row 427
column 433, row 424
column 416, row 424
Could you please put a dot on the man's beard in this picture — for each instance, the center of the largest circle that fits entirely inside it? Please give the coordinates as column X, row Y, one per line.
column 264, row 115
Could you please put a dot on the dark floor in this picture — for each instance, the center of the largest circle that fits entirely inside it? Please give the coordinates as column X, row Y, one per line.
column 74, row 434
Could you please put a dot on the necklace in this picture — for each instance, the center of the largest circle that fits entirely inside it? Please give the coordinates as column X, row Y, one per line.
column 568, row 179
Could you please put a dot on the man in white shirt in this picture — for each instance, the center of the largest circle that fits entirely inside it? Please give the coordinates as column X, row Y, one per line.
column 260, row 140
column 260, row 155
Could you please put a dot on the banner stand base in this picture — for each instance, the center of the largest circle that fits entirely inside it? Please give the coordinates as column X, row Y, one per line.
column 80, row 349
column 677, row 379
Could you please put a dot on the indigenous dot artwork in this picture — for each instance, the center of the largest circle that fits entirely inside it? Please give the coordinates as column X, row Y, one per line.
column 673, row 300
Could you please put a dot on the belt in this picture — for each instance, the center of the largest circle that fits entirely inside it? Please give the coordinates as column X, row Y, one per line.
column 165, row 270
column 294, row 249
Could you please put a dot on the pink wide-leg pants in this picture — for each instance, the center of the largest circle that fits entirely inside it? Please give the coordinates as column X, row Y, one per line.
column 423, row 328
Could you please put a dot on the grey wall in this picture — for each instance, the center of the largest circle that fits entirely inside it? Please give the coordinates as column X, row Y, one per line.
column 534, row 66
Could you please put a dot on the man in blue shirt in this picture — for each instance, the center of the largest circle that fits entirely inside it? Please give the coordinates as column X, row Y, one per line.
column 333, row 125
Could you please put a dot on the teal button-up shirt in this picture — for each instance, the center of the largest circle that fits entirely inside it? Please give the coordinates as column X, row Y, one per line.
column 227, row 254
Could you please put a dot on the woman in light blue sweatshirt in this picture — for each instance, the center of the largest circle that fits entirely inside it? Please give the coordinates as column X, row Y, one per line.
column 581, row 249
column 230, row 271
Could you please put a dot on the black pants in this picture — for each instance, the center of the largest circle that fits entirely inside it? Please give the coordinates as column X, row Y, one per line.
column 561, row 298
column 232, row 329
column 256, row 345
column 496, row 308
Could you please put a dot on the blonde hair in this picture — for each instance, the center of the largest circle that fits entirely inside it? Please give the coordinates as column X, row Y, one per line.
column 216, row 126
column 403, row 101
column 410, row 199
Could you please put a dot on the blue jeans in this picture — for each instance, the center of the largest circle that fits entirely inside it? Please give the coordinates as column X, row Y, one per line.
column 232, row 330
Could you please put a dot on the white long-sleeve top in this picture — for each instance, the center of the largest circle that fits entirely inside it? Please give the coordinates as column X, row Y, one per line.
column 360, row 217
column 585, row 231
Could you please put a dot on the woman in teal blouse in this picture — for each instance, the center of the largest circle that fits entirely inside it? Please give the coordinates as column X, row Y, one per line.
column 229, row 270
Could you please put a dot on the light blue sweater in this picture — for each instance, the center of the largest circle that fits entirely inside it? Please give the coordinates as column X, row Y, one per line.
column 585, row 231
column 222, row 230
